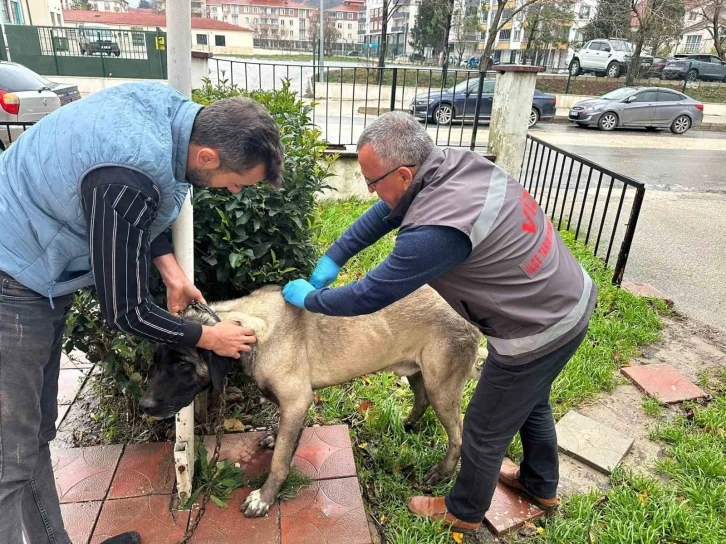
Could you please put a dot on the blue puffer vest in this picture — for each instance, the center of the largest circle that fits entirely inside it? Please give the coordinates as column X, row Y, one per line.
column 143, row 126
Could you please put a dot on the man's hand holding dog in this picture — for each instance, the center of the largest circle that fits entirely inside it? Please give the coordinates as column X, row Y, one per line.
column 227, row 338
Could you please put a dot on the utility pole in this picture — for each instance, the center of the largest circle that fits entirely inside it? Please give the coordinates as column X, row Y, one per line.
column 179, row 61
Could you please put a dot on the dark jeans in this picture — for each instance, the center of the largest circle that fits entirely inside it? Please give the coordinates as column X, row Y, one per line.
column 508, row 399
column 30, row 350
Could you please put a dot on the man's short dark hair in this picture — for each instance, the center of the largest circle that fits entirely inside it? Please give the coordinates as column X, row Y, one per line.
column 244, row 134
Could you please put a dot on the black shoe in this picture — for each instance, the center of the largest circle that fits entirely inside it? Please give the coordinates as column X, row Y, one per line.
column 131, row 537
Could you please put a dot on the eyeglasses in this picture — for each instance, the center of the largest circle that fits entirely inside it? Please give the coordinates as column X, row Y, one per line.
column 370, row 183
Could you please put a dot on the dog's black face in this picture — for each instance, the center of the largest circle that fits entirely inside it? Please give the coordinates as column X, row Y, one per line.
column 181, row 374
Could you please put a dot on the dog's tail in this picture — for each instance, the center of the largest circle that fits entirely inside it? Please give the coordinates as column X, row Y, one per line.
column 481, row 356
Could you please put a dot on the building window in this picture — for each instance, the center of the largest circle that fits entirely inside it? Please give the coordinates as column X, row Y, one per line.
column 220, row 41
column 350, row 16
column 693, row 43
column 515, row 35
column 692, row 16
column 339, row 14
column 292, row 33
column 340, row 25
column 247, row 20
column 350, row 36
column 107, row 6
column 235, row 9
column 350, row 26
column 302, row 13
column 282, row 22
column 504, row 35
column 201, row 39
column 302, row 35
column 255, row 9
column 235, row 19
column 246, row 9
column 584, row 12
column 256, row 20
column 291, row 12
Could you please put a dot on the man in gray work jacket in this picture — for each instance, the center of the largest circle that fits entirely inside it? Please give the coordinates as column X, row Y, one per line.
column 477, row 237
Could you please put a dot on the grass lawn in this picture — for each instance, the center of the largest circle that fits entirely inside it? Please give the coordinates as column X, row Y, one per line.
column 391, row 462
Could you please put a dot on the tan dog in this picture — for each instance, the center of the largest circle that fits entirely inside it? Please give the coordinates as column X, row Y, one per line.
column 297, row 351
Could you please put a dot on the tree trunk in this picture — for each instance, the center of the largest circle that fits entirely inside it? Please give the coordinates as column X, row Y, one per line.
column 447, row 31
column 716, row 31
column 530, row 39
column 382, row 41
column 493, row 30
column 635, row 61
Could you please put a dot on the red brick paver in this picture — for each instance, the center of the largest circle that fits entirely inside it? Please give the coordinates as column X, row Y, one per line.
column 145, row 469
column 509, row 510
column 328, row 512
column 230, row 526
column 151, row 516
column 664, row 383
column 79, row 519
column 84, row 474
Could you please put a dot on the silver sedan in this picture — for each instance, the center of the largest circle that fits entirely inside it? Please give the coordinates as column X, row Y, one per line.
column 649, row 107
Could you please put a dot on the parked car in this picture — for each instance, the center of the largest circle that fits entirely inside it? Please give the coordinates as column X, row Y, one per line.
column 416, row 58
column 25, row 97
column 459, row 103
column 656, row 68
column 13, row 75
column 649, row 107
column 97, row 39
column 605, row 57
column 693, row 67
column 353, row 54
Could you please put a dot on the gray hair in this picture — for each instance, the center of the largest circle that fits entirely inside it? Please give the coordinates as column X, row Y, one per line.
column 398, row 139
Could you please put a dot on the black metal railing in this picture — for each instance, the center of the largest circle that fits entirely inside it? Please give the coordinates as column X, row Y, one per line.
column 10, row 131
column 598, row 205
column 349, row 98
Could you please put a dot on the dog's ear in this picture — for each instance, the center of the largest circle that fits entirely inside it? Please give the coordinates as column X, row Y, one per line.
column 219, row 367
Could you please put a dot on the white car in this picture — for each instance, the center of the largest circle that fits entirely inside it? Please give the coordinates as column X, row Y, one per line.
column 23, row 100
column 605, row 57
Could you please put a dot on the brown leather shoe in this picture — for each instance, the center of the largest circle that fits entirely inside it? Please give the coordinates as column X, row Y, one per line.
column 435, row 508
column 508, row 476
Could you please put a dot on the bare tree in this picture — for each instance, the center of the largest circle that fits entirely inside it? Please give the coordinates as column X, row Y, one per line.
column 713, row 19
column 390, row 7
column 330, row 33
column 653, row 18
column 464, row 24
column 546, row 25
column 497, row 22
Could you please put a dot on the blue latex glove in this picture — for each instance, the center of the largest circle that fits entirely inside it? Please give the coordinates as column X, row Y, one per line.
column 296, row 291
column 325, row 273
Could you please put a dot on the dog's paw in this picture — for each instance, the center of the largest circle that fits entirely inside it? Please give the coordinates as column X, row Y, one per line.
column 254, row 506
column 268, row 441
column 435, row 475
column 409, row 426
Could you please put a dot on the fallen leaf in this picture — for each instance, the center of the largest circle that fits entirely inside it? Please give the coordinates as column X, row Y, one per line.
column 363, row 446
column 363, row 406
column 366, row 379
column 234, row 425
column 457, row 537
column 540, row 530
column 643, row 497
column 528, row 529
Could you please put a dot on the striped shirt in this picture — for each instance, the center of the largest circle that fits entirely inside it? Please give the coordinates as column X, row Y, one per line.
column 120, row 206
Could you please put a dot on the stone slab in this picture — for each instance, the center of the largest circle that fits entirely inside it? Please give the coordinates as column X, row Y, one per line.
column 79, row 519
column 84, row 474
column 70, row 382
column 144, row 469
column 509, row 510
column 230, row 526
column 592, row 443
column 664, row 382
column 151, row 516
column 327, row 512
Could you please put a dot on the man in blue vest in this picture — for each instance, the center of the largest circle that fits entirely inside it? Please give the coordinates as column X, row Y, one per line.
column 85, row 197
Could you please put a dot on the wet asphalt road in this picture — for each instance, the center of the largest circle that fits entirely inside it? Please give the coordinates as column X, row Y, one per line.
column 680, row 242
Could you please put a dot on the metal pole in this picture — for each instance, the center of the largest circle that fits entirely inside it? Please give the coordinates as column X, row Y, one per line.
column 321, row 46
column 179, row 66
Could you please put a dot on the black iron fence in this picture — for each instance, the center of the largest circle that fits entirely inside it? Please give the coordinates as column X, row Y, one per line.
column 598, row 205
column 347, row 98
column 10, row 131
